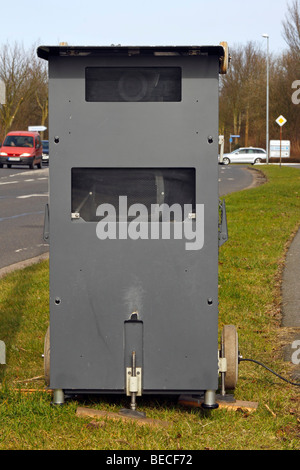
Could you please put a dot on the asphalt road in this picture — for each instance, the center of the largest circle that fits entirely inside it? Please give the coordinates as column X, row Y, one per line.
column 233, row 178
column 23, row 195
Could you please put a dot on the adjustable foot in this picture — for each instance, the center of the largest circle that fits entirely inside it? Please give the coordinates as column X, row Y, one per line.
column 58, row 397
column 210, row 400
column 132, row 413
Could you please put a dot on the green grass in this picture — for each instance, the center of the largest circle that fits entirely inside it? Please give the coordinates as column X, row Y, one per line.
column 261, row 224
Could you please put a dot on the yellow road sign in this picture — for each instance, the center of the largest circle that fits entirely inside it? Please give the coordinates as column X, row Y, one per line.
column 281, row 121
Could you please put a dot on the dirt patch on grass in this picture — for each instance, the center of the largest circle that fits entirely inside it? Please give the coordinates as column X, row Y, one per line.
column 259, row 177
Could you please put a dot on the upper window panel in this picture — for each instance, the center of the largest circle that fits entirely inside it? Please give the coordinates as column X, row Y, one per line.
column 133, row 84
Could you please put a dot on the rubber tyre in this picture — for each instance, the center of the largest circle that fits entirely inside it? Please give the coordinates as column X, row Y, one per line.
column 47, row 357
column 230, row 339
column 258, row 160
column 226, row 161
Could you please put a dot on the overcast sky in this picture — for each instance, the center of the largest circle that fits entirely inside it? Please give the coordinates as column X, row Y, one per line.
column 133, row 22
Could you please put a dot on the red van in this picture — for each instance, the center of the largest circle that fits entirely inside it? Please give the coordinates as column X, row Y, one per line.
column 21, row 148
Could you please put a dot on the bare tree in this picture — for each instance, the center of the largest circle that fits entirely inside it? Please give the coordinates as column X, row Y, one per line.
column 243, row 89
column 242, row 98
column 25, row 78
column 291, row 27
column 14, row 71
column 39, row 90
column 289, row 71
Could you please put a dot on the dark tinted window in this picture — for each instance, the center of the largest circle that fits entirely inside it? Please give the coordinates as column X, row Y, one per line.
column 133, row 84
column 94, row 186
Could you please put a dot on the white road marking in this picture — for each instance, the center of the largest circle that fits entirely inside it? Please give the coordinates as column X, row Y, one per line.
column 31, row 195
column 30, row 247
column 10, row 182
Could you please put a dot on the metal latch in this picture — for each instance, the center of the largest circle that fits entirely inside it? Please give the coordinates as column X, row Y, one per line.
column 133, row 381
column 46, row 224
column 223, row 231
column 222, row 364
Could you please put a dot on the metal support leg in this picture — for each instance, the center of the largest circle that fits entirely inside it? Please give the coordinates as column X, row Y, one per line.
column 133, row 392
column 58, row 397
column 210, row 400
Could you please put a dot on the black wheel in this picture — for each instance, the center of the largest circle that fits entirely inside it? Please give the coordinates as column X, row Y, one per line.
column 258, row 160
column 231, row 350
column 226, row 161
column 47, row 357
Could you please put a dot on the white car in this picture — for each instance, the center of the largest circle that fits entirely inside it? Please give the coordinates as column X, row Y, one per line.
column 245, row 155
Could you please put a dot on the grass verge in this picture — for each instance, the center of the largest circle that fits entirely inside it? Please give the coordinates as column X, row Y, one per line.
column 262, row 222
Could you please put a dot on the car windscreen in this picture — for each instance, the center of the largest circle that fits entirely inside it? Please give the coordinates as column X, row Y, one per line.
column 18, row 141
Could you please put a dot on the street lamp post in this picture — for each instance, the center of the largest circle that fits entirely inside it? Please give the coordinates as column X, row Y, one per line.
column 266, row 36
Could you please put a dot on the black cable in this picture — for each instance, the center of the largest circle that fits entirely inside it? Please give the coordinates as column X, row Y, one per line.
column 270, row 370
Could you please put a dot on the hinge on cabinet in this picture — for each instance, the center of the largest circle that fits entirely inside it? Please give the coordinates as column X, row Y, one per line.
column 223, row 231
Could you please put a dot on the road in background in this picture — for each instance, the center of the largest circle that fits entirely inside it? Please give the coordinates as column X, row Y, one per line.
column 23, row 195
column 233, row 178
column 237, row 177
